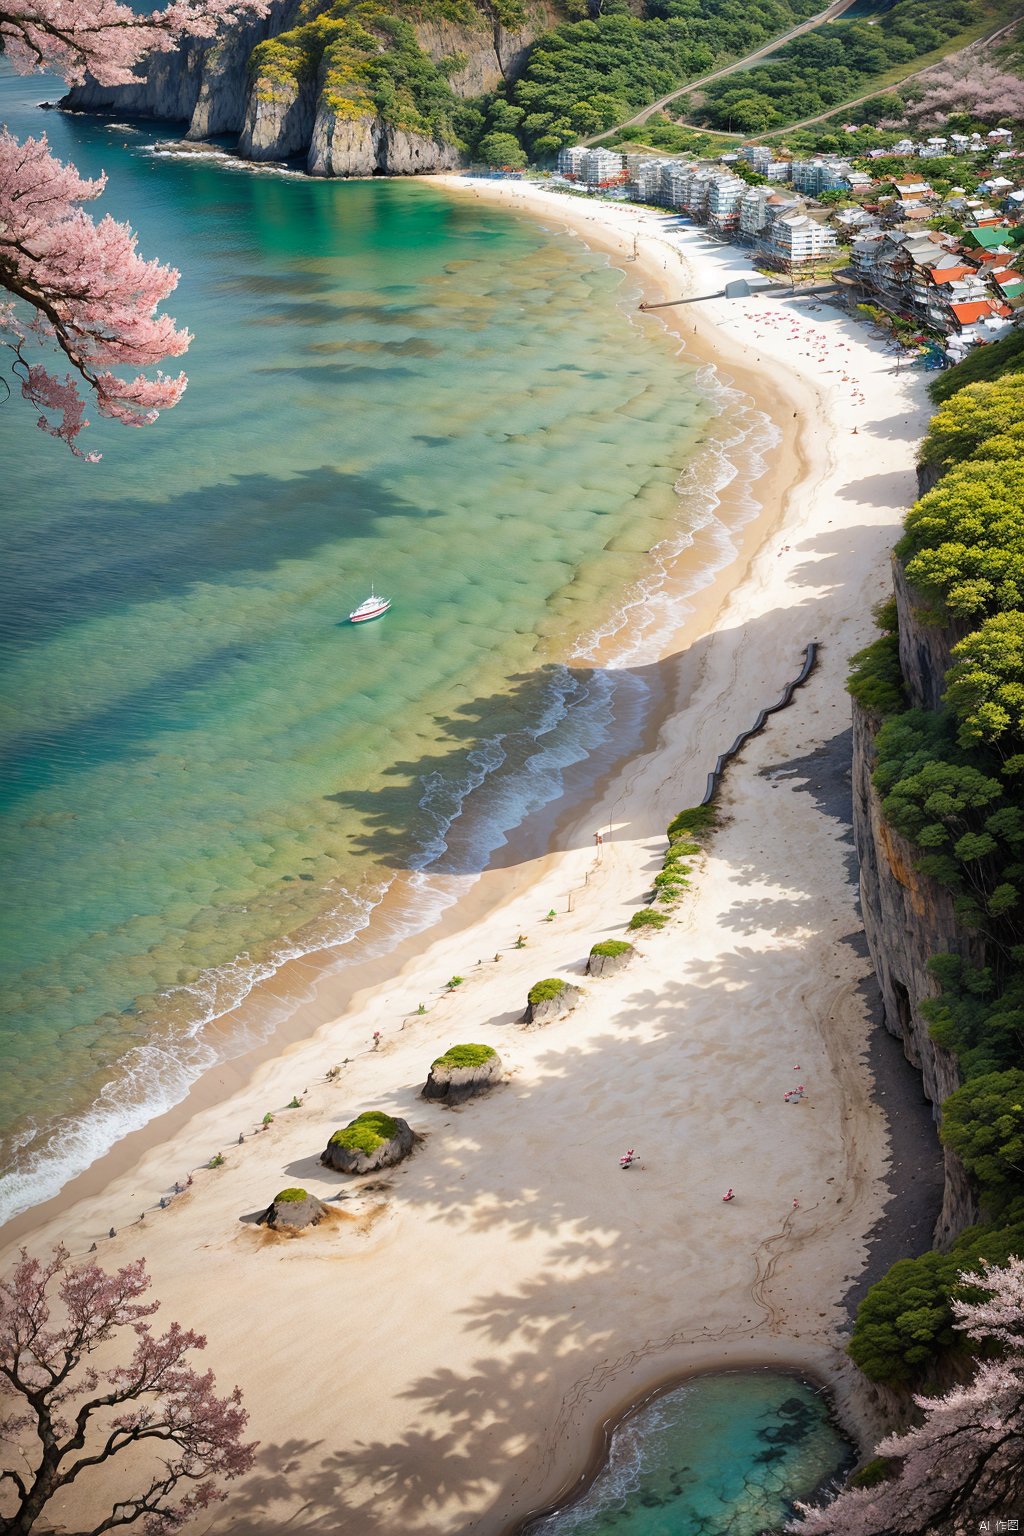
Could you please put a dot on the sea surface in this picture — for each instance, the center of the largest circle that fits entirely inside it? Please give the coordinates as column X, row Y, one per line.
column 204, row 770
column 724, row 1455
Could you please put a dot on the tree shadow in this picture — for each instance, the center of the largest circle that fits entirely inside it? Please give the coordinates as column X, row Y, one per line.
column 244, row 525
column 606, row 1237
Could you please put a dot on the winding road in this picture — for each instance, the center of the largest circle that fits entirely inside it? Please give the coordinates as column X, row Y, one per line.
column 835, row 10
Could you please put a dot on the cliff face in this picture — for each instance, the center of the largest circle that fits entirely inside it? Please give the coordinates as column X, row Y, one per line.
column 203, row 83
column 908, row 916
column 319, row 104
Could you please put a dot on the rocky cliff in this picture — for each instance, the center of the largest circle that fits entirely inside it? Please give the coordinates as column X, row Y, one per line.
column 354, row 88
column 908, row 916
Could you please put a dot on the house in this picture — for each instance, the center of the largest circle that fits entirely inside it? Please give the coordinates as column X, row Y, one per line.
column 1000, row 136
column 989, row 241
column 911, row 188
column 854, row 221
column 1009, row 283
column 857, row 182
column 813, row 177
column 903, row 147
column 602, row 167
column 753, row 215
column 759, row 156
column 864, row 253
column 570, row 161
column 724, row 196
column 793, row 240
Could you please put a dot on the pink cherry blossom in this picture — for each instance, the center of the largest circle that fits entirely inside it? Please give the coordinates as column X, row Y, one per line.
column 82, row 287
column 70, row 1416
column 965, row 1462
column 104, row 38
column 79, row 286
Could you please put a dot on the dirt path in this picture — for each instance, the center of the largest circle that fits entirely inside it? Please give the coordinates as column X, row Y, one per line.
column 833, row 11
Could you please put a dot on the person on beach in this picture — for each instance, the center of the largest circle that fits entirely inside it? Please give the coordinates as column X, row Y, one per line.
column 728, row 1195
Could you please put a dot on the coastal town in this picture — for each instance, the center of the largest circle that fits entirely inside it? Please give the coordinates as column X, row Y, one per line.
column 931, row 258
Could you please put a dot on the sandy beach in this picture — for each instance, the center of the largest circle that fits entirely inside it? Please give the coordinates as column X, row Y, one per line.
column 441, row 1356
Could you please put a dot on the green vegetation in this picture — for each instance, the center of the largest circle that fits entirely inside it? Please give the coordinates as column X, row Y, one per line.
column 588, row 74
column 611, row 948
column 371, row 64
column 366, row 1133
column 661, row 133
column 291, row 1196
column 697, row 819
column 832, row 64
column 981, row 365
column 296, row 1102
column 952, row 783
column 645, row 918
column 453, row 982
column 904, row 1324
column 544, row 991
column 465, row 1056
column 876, row 681
column 217, row 1160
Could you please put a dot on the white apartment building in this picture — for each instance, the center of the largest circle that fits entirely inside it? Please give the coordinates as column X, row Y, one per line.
column 724, row 197
column 794, row 240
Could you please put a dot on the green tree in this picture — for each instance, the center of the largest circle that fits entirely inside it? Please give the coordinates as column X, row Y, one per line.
column 502, row 149
column 985, row 685
column 983, row 1123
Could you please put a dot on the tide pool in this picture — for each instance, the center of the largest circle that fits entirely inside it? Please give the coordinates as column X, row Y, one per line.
column 203, row 769
column 720, row 1456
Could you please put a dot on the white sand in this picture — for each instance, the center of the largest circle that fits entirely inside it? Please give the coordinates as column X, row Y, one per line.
column 440, row 1359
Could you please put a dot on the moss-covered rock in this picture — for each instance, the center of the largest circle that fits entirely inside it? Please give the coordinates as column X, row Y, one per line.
column 293, row 1209
column 372, row 1140
column 462, row 1072
column 608, row 957
column 550, row 998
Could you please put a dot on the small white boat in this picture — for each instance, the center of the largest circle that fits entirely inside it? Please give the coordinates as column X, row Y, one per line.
column 370, row 608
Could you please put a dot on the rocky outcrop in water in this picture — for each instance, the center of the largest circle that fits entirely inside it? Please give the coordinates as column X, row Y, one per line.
column 280, row 112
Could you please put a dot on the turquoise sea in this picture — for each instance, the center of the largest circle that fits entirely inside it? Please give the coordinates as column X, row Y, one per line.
column 203, row 770
column 724, row 1455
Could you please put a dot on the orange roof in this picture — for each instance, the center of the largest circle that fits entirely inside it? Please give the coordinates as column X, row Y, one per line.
column 1005, row 277
column 952, row 274
column 977, row 309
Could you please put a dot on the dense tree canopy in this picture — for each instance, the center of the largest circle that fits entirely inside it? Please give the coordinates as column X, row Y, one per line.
column 827, row 67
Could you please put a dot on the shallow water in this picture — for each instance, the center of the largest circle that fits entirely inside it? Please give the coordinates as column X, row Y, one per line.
column 724, row 1455
column 203, row 769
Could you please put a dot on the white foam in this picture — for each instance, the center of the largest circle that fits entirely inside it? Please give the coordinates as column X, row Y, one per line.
column 578, row 707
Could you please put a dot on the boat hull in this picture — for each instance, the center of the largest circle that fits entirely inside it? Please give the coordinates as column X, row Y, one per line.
column 365, row 618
